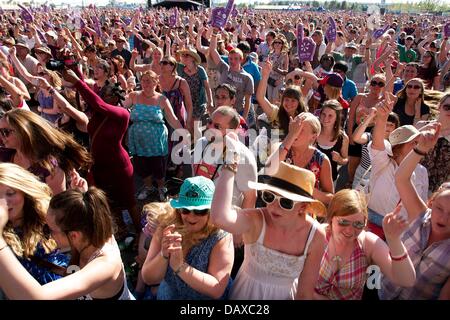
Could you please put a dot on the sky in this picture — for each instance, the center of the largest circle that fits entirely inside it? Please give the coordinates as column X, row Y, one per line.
column 104, row 2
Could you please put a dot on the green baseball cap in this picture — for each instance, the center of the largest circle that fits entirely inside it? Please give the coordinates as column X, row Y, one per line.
column 196, row 193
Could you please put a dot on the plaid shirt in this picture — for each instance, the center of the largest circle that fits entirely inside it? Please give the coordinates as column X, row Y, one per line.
column 432, row 264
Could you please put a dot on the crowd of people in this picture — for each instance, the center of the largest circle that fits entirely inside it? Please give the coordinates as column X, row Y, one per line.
column 227, row 163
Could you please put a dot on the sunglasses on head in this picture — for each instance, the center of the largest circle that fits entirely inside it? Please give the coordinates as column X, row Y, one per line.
column 285, row 203
column 374, row 83
column 5, row 132
column 446, row 107
column 202, row 212
column 356, row 224
column 414, row 86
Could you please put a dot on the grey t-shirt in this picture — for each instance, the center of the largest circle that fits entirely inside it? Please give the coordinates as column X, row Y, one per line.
column 242, row 81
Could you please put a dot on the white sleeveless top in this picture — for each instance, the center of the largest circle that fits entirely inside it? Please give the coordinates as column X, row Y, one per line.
column 126, row 293
column 267, row 274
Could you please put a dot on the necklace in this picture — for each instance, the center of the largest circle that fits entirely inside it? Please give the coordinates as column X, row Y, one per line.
column 336, row 258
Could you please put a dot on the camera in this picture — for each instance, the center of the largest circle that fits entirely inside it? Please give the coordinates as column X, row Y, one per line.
column 59, row 65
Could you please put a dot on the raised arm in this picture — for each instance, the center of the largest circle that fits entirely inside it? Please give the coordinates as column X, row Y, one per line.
column 263, row 102
column 408, row 194
column 360, row 135
column 213, row 53
column 383, row 111
column 21, row 68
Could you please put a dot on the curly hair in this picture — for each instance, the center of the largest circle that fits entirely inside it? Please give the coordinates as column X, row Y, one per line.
column 37, row 197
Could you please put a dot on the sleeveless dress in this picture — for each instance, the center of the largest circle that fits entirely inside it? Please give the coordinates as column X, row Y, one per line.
column 174, row 288
column 328, row 150
column 176, row 100
column 267, row 274
column 148, row 135
column 125, row 293
column 346, row 283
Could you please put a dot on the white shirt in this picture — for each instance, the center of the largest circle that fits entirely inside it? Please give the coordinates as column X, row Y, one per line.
column 384, row 196
column 210, row 155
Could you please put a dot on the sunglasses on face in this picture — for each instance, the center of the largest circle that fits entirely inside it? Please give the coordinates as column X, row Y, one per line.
column 277, row 42
column 165, row 63
column 285, row 203
column 374, row 83
column 356, row 224
column 201, row 213
column 446, row 107
column 41, row 74
column 414, row 86
column 297, row 77
column 5, row 132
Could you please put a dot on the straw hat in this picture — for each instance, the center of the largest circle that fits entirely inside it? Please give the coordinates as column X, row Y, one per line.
column 294, row 183
column 193, row 53
column 44, row 50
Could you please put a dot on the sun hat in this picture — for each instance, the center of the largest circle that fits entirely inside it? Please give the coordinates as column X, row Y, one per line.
column 21, row 43
column 9, row 41
column 196, row 193
column 193, row 53
column 44, row 50
column 351, row 45
column 333, row 79
column 294, row 183
column 403, row 134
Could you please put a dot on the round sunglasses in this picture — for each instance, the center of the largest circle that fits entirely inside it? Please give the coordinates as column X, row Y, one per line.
column 374, row 83
column 355, row 224
column 201, row 213
column 285, row 203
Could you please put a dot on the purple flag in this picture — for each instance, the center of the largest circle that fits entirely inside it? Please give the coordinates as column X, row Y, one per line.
column 97, row 26
column 299, row 35
column 447, row 30
column 173, row 19
column 127, row 20
column 331, row 31
column 220, row 15
column 26, row 14
column 41, row 35
column 306, row 50
column 379, row 32
column 234, row 12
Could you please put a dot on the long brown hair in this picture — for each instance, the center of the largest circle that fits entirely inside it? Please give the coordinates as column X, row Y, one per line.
column 293, row 92
column 37, row 196
column 41, row 142
column 337, row 108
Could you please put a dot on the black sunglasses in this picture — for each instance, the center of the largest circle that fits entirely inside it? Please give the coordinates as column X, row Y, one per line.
column 5, row 132
column 297, row 77
column 374, row 83
column 201, row 213
column 356, row 224
column 277, row 42
column 414, row 86
column 165, row 63
column 285, row 203
column 446, row 107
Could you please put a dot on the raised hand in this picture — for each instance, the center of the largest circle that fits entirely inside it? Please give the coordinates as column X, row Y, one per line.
column 166, row 239
column 266, row 69
column 175, row 251
column 394, row 224
column 429, row 137
column 77, row 182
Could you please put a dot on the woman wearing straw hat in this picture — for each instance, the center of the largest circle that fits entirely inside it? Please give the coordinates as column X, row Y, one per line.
column 283, row 243
column 189, row 256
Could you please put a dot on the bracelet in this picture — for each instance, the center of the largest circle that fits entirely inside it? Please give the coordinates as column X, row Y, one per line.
column 400, row 258
column 420, row 153
column 183, row 267
column 162, row 255
column 283, row 147
column 231, row 167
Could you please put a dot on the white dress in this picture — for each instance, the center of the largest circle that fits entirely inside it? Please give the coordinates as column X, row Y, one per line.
column 267, row 274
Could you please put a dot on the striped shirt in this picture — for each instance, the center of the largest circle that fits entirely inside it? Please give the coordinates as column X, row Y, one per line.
column 365, row 156
column 432, row 264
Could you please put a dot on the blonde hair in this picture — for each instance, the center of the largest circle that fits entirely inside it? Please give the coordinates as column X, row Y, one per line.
column 313, row 121
column 173, row 216
column 332, row 93
column 345, row 203
column 37, row 197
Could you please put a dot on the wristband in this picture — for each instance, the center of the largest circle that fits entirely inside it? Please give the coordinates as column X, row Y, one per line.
column 183, row 267
column 231, row 167
column 162, row 255
column 400, row 258
column 420, row 153
column 283, row 147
